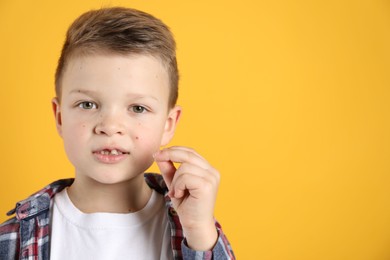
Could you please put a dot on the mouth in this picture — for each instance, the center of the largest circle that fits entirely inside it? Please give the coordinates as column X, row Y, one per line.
column 111, row 152
column 110, row 155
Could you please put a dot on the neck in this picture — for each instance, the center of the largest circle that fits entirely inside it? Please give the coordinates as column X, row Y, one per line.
column 90, row 196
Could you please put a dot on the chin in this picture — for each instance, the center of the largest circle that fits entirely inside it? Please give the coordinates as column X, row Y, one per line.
column 114, row 178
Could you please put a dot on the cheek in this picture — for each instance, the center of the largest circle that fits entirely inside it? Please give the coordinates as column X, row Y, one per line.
column 147, row 138
column 74, row 133
column 76, row 129
column 75, row 138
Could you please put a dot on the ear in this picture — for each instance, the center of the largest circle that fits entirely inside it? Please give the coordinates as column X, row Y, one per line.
column 170, row 125
column 57, row 114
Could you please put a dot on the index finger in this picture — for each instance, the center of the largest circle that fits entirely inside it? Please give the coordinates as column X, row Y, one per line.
column 182, row 155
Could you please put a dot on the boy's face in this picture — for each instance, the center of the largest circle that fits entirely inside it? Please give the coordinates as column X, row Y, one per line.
column 113, row 115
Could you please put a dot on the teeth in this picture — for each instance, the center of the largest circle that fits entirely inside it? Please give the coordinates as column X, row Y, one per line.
column 112, row 152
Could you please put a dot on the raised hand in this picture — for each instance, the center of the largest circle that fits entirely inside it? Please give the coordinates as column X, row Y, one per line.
column 193, row 190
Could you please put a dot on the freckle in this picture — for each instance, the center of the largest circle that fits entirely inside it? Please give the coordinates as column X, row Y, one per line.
column 137, row 137
column 83, row 125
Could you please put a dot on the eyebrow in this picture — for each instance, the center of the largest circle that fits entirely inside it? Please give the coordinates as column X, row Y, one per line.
column 82, row 91
column 94, row 93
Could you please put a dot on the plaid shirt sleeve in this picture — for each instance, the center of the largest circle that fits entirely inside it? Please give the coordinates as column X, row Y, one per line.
column 9, row 240
column 221, row 250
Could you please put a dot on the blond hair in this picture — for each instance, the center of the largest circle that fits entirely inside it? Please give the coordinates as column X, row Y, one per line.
column 119, row 30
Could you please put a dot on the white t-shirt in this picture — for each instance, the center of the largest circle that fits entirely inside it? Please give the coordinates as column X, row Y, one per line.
column 141, row 235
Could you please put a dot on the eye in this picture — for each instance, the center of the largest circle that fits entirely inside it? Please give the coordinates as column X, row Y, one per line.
column 138, row 109
column 87, row 105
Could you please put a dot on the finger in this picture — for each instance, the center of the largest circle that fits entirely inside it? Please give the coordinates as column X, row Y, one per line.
column 192, row 171
column 180, row 155
column 167, row 170
column 192, row 185
column 190, row 150
column 187, row 184
column 210, row 175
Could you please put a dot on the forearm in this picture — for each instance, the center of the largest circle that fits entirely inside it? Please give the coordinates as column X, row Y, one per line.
column 202, row 238
column 221, row 249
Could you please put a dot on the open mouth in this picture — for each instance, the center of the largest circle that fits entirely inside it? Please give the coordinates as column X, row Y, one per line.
column 110, row 155
column 111, row 152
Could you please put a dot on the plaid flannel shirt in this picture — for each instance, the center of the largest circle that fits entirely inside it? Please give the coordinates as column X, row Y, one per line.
column 27, row 235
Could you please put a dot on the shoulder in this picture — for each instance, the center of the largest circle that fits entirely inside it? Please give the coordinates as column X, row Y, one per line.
column 38, row 201
column 34, row 207
column 9, row 226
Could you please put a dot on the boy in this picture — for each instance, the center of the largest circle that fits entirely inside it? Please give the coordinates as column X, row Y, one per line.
column 115, row 106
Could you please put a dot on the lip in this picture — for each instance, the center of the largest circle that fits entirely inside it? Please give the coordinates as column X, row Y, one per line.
column 110, row 158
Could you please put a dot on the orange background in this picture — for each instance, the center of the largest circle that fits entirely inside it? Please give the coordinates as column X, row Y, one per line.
column 288, row 99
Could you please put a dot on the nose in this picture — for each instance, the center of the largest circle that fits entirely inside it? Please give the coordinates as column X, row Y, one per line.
column 109, row 124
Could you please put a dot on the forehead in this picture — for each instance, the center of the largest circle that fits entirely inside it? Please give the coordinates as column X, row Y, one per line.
column 141, row 64
column 135, row 72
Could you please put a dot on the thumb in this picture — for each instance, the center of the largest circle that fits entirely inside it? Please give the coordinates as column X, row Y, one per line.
column 167, row 169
